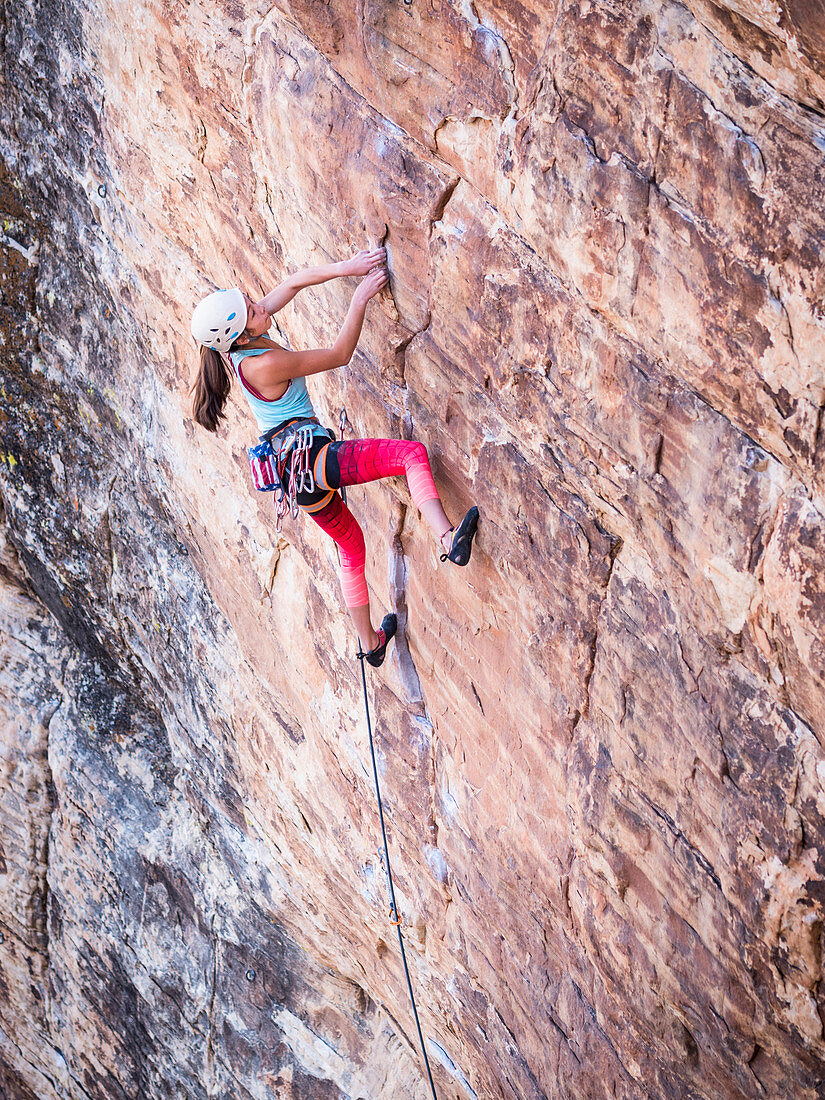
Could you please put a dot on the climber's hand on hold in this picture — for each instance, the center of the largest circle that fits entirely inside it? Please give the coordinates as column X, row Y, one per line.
column 362, row 263
column 272, row 368
column 371, row 285
column 365, row 261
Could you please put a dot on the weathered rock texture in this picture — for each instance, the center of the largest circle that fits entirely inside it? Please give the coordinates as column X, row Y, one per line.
column 601, row 744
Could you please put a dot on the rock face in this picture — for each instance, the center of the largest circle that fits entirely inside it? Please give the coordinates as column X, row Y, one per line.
column 602, row 744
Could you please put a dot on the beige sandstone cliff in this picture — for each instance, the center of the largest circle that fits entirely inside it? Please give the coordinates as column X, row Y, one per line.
column 601, row 744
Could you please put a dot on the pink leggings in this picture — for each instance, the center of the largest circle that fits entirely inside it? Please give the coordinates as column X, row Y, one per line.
column 355, row 462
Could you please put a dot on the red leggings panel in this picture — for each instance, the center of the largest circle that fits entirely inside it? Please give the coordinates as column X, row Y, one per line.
column 339, row 522
column 362, row 460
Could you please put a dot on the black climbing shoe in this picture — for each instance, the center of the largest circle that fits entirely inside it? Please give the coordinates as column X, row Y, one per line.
column 463, row 536
column 386, row 631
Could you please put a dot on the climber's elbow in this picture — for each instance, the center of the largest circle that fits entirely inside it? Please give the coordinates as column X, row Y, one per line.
column 340, row 355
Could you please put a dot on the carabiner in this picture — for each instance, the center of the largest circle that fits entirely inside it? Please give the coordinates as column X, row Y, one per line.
column 304, row 437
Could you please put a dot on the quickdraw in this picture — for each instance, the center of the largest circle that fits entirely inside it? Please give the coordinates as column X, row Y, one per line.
column 301, row 478
column 268, row 461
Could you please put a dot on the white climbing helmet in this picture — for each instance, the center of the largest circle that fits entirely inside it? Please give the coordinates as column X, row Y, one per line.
column 220, row 319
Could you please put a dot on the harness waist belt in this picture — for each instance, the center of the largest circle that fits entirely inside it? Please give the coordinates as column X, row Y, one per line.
column 275, row 437
column 268, row 461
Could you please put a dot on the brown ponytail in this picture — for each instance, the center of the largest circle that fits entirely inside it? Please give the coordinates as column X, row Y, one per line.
column 211, row 389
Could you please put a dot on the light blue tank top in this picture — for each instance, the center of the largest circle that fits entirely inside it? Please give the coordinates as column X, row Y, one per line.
column 295, row 402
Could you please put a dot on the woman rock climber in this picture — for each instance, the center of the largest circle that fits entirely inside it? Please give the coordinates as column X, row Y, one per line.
column 231, row 330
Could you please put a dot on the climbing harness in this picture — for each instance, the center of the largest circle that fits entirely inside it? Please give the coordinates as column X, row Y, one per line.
column 268, row 461
column 394, row 915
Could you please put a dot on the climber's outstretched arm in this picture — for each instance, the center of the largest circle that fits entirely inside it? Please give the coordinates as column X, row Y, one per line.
column 271, row 369
column 362, row 263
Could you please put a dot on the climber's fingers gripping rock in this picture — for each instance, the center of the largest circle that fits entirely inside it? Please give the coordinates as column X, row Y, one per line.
column 365, row 261
column 373, row 283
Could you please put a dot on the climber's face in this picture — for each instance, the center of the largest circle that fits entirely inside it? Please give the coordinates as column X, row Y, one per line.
column 257, row 321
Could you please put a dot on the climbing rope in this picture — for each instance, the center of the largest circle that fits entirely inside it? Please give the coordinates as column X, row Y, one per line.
column 394, row 915
column 395, row 918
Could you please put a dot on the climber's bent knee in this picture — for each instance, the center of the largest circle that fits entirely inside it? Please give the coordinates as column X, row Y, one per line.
column 356, row 461
column 419, row 474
